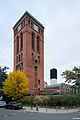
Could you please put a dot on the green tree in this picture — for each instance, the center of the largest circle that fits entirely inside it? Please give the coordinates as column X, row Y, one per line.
column 3, row 75
column 16, row 85
column 72, row 76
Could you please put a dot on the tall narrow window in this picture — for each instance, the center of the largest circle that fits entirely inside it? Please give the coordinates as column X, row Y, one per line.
column 32, row 56
column 21, row 41
column 29, row 22
column 21, row 56
column 17, row 45
column 19, row 27
column 38, row 82
column 38, row 44
column 32, row 41
column 35, row 27
column 21, row 66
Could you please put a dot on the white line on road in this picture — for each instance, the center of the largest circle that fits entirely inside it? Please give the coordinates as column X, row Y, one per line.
column 76, row 118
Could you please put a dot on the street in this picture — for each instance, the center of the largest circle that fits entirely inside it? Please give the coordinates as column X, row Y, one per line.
column 6, row 114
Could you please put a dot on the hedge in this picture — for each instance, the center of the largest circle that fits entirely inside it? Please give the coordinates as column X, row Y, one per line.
column 51, row 100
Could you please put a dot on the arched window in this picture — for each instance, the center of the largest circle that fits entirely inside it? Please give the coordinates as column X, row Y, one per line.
column 21, row 41
column 38, row 44
column 17, row 45
column 32, row 41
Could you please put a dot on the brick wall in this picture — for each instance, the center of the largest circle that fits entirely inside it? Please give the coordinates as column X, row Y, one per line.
column 26, row 26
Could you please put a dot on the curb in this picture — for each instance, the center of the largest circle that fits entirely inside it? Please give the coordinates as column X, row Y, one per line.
column 53, row 112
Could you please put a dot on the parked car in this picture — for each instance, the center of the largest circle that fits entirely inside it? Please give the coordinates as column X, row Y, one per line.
column 2, row 103
column 13, row 105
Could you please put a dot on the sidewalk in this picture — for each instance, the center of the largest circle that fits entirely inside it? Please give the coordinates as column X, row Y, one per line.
column 49, row 110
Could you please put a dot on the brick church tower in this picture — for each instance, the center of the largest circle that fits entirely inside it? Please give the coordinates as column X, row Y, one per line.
column 29, row 50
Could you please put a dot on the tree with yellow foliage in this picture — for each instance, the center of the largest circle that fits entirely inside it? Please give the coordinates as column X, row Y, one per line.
column 16, row 85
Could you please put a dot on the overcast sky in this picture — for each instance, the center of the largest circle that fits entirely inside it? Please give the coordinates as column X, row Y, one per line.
column 61, row 19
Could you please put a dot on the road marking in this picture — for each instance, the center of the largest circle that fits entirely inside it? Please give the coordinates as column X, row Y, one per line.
column 76, row 118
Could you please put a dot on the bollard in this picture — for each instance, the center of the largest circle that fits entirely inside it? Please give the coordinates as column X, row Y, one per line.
column 36, row 108
column 67, row 108
column 46, row 108
column 31, row 107
column 74, row 108
column 56, row 108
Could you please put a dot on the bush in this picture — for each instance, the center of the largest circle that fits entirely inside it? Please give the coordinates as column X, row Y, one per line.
column 64, row 100
column 52, row 100
column 25, row 101
column 45, row 101
column 37, row 100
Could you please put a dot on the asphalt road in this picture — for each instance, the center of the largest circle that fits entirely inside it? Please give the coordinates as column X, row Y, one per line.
column 6, row 114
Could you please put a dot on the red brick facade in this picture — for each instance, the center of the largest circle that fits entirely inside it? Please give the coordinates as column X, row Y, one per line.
column 29, row 50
